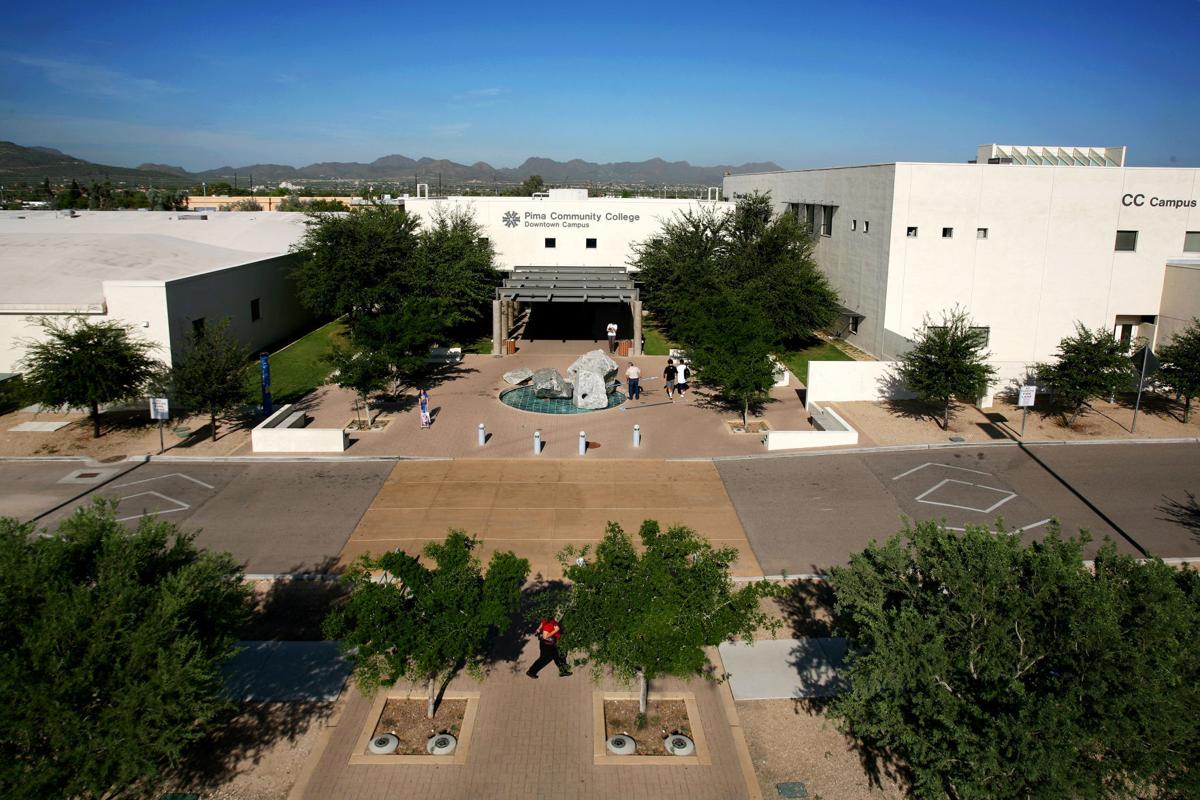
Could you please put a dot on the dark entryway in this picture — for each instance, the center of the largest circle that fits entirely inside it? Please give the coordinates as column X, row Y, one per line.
column 566, row 304
column 578, row 321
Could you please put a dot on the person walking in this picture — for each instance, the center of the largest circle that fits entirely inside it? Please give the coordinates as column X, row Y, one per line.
column 612, row 337
column 634, row 376
column 423, row 402
column 669, row 378
column 681, row 376
column 549, row 632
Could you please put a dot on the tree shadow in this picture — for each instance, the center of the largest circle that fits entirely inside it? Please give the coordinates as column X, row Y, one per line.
column 294, row 607
column 711, row 399
column 808, row 608
column 1153, row 404
column 1185, row 514
column 877, row 761
column 539, row 599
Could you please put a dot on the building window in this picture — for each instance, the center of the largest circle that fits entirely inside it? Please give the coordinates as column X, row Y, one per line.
column 255, row 310
column 983, row 332
column 198, row 326
column 853, row 224
column 1191, row 242
column 947, row 233
column 1126, row 241
column 810, row 216
column 794, row 210
column 981, row 233
column 590, row 244
column 827, row 220
column 484, row 241
column 550, row 243
column 1126, row 335
column 912, row 231
column 866, row 225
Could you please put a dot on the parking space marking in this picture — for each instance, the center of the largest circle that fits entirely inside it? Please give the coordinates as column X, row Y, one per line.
column 182, row 505
column 161, row 477
column 921, row 497
column 920, row 467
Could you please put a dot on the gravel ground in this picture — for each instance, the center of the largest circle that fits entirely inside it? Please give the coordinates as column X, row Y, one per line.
column 123, row 433
column 789, row 743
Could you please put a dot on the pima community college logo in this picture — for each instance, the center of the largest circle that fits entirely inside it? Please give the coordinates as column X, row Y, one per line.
column 512, row 219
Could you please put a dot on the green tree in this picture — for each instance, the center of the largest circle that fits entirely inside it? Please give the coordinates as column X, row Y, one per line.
column 349, row 259
column 729, row 344
column 70, row 197
column 654, row 613
column 1180, row 360
column 995, row 668
column 425, row 624
column 247, row 204
column 361, row 370
column 84, row 364
column 111, row 643
column 1090, row 364
column 947, row 362
column 532, row 185
column 401, row 338
column 454, row 265
column 211, row 374
column 218, row 188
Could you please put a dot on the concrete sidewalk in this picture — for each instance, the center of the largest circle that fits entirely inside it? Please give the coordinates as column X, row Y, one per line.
column 782, row 669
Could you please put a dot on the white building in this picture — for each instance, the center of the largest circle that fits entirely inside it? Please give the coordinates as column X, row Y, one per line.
column 164, row 273
column 1028, row 239
column 569, row 255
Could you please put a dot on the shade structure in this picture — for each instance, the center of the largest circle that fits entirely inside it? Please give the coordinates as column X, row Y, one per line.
column 568, row 285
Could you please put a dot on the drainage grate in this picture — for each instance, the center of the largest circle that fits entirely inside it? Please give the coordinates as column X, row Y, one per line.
column 792, row 789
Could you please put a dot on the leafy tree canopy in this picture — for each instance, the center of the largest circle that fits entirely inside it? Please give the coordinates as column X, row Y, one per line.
column 211, row 373
column 111, row 643
column 532, row 185
column 995, row 668
column 1091, row 364
column 729, row 344
column 425, row 623
column 947, row 362
column 85, row 364
column 652, row 614
column 1180, row 360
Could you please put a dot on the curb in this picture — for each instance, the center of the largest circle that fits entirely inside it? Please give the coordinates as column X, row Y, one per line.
column 84, row 459
column 741, row 749
column 280, row 459
column 901, row 448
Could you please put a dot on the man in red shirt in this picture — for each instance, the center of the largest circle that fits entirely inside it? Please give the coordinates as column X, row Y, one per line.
column 549, row 632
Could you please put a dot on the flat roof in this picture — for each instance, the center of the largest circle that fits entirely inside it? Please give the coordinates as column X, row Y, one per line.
column 49, row 260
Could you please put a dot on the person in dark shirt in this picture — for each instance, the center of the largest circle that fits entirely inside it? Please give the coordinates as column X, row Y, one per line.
column 669, row 378
column 549, row 632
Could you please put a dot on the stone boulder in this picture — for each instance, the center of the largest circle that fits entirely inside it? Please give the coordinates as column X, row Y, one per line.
column 517, row 376
column 596, row 361
column 589, row 390
column 549, row 383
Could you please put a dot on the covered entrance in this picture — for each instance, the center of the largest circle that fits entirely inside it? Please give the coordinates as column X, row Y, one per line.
column 566, row 304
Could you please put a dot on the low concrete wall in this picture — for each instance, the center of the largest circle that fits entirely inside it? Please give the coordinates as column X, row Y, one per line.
column 831, row 431
column 848, row 381
column 269, row 437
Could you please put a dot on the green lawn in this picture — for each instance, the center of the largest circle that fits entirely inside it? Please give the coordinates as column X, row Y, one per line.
column 297, row 369
column 797, row 360
column 656, row 344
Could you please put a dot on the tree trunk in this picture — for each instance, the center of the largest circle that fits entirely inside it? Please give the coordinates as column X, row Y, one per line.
column 432, row 696
column 95, row 420
column 643, row 691
column 1074, row 416
column 213, row 420
column 745, row 413
column 946, row 416
column 1187, row 408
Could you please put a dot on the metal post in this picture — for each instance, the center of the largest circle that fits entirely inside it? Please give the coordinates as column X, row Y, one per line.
column 637, row 435
column 582, row 443
column 1141, row 383
column 482, row 434
column 161, row 447
column 1024, row 417
column 537, row 443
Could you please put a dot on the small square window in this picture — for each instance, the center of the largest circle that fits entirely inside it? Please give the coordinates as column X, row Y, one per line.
column 484, row 241
column 853, row 224
column 981, row 233
column 550, row 243
column 1126, row 241
column 866, row 225
column 590, row 244
column 255, row 310
column 912, row 232
column 947, row 233
column 1191, row 242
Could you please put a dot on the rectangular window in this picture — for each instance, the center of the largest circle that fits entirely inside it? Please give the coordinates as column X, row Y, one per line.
column 912, row 231
column 794, row 210
column 981, row 233
column 198, row 326
column 853, row 224
column 590, row 244
column 985, row 333
column 550, row 243
column 947, row 233
column 866, row 226
column 1126, row 241
column 827, row 220
column 1191, row 242
column 1126, row 335
column 810, row 216
column 255, row 310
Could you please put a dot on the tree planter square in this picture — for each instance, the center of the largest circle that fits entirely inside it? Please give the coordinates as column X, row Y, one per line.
column 401, row 712
column 611, row 714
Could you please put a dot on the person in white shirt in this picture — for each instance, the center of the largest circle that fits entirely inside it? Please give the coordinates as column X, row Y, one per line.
column 634, row 377
column 681, row 376
column 612, row 337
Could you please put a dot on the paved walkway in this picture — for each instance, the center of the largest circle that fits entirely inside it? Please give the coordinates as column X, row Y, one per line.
column 535, row 508
column 532, row 739
column 784, row 668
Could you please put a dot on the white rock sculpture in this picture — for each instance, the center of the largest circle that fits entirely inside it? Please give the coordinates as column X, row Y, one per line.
column 589, row 390
column 549, row 383
column 517, row 376
column 596, row 361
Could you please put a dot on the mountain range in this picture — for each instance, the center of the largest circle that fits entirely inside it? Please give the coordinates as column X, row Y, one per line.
column 34, row 163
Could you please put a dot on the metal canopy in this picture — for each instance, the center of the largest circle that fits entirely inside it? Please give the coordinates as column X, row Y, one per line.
column 568, row 285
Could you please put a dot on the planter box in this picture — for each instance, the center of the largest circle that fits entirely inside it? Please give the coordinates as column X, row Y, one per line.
column 361, row 755
column 651, row 738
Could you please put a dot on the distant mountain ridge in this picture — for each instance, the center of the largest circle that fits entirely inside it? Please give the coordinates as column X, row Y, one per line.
column 34, row 162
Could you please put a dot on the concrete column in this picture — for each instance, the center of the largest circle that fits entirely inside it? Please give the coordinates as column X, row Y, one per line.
column 635, row 309
column 497, row 334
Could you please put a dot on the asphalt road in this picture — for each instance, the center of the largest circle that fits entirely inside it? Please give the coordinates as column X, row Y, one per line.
column 273, row 517
column 806, row 514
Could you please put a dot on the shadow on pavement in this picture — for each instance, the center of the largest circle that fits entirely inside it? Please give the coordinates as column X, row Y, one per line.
column 1185, row 514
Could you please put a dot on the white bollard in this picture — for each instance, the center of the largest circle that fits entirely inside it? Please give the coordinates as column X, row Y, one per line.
column 582, row 443
column 637, row 435
column 537, row 443
column 482, row 435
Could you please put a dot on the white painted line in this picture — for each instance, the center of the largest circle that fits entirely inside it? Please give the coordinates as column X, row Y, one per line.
column 182, row 505
column 160, row 477
column 988, row 510
column 1033, row 525
column 936, row 464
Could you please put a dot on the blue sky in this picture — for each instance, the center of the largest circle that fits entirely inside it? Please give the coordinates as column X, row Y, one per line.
column 812, row 84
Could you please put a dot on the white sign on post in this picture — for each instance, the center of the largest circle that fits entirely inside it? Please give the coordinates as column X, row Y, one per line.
column 1027, row 396
column 159, row 408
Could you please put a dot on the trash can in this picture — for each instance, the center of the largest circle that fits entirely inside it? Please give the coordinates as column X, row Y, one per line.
column 623, row 347
column 510, row 346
